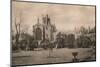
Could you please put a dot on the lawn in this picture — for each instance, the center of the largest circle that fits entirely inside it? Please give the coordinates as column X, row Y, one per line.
column 41, row 56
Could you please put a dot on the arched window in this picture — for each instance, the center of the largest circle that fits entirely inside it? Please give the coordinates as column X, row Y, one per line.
column 38, row 34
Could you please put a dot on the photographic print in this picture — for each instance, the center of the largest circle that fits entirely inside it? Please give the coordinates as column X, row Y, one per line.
column 52, row 33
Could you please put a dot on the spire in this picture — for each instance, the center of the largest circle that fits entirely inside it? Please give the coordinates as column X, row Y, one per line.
column 48, row 19
column 89, row 29
column 38, row 20
column 47, row 15
column 75, row 30
column 43, row 19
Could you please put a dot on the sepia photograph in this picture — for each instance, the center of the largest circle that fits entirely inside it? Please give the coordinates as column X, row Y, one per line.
column 52, row 33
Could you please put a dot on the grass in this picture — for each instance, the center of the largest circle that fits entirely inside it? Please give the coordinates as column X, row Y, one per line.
column 55, row 56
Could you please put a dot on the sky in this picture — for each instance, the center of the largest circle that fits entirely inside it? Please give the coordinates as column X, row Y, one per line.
column 65, row 17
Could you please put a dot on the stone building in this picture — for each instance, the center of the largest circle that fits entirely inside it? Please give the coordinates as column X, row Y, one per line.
column 44, row 30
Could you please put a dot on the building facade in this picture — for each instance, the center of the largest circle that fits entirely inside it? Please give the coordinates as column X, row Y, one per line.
column 44, row 30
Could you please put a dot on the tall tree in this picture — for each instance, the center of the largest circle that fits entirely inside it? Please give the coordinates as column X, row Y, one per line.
column 83, row 30
column 18, row 29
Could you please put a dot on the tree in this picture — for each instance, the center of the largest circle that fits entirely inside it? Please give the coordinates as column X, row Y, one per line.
column 93, row 30
column 84, row 41
column 83, row 30
column 19, row 29
column 60, row 40
column 87, row 37
column 71, row 40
